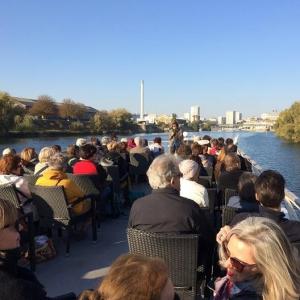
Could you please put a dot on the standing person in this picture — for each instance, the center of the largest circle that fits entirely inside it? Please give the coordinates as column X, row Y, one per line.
column 175, row 137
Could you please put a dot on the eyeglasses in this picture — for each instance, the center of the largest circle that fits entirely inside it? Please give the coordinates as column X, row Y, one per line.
column 237, row 264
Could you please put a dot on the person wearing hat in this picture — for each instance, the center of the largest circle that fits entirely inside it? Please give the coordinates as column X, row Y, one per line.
column 189, row 188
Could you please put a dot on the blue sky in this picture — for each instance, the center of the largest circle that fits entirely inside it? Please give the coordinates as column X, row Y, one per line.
column 221, row 55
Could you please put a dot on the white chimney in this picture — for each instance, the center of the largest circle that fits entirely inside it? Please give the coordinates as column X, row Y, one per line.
column 142, row 100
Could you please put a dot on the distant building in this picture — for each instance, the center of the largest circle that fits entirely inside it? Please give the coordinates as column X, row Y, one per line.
column 186, row 116
column 238, row 117
column 221, row 120
column 195, row 113
column 150, row 118
column 273, row 116
column 230, row 117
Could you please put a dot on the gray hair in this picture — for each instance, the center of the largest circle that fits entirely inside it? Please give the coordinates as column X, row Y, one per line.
column 57, row 161
column 162, row 170
column 45, row 154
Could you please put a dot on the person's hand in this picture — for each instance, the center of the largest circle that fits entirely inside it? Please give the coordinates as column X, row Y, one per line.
column 222, row 234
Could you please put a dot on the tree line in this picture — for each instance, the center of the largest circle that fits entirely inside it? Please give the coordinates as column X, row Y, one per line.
column 288, row 123
column 43, row 116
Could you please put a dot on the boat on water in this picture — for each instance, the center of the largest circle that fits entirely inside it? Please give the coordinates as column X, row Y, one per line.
column 89, row 262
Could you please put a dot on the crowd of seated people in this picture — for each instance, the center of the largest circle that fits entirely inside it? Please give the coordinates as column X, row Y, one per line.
column 177, row 205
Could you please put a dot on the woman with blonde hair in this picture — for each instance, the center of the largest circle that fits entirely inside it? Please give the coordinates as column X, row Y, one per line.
column 29, row 159
column 260, row 263
column 134, row 277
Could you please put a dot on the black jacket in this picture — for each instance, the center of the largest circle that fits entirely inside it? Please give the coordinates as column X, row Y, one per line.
column 165, row 211
column 18, row 283
column 290, row 228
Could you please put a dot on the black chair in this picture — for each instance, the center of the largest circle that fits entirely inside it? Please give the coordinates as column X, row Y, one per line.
column 55, row 211
column 9, row 192
column 179, row 251
column 228, row 194
column 212, row 197
column 228, row 213
column 139, row 164
column 210, row 171
column 205, row 181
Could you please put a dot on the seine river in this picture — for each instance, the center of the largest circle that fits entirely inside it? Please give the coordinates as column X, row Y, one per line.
column 266, row 149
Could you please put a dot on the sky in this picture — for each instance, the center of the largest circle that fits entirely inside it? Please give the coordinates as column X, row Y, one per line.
column 222, row 55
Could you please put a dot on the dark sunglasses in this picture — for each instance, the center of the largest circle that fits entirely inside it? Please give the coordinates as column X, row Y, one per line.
column 237, row 264
column 16, row 225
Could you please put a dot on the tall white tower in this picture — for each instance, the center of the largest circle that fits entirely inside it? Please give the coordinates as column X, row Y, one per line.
column 142, row 100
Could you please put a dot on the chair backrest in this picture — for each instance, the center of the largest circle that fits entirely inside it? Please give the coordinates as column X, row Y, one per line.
column 179, row 251
column 139, row 163
column 85, row 183
column 8, row 192
column 212, row 197
column 51, row 204
column 113, row 176
column 209, row 171
column 31, row 179
column 228, row 213
column 229, row 193
column 205, row 181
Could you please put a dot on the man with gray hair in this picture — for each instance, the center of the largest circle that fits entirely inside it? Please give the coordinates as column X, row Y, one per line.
column 164, row 210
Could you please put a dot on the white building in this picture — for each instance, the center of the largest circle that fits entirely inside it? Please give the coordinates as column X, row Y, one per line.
column 186, row 116
column 221, row 120
column 150, row 119
column 230, row 117
column 195, row 113
column 273, row 116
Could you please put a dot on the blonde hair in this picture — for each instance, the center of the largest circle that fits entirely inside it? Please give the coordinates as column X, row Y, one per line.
column 28, row 154
column 8, row 213
column 275, row 257
column 113, row 145
column 134, row 277
column 45, row 154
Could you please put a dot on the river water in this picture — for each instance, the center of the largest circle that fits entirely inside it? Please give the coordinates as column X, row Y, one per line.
column 266, row 149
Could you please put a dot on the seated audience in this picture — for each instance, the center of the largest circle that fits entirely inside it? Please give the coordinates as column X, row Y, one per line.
column 189, row 188
column 183, row 151
column 164, row 210
column 86, row 164
column 139, row 148
column 214, row 147
column 208, row 161
column 17, row 283
column 29, row 159
column 134, row 277
column 269, row 189
column 72, row 156
column 130, row 144
column 114, row 156
column 260, row 263
column 56, row 148
column 44, row 156
column 230, row 177
column 156, row 148
column 246, row 200
column 9, row 151
column 80, row 142
column 10, row 173
column 195, row 156
column 55, row 176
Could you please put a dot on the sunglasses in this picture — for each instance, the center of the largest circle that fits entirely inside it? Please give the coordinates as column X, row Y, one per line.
column 16, row 225
column 237, row 264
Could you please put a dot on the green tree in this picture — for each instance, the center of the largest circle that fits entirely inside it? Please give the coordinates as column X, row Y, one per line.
column 121, row 119
column 45, row 106
column 25, row 124
column 101, row 122
column 8, row 111
column 288, row 123
column 71, row 109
